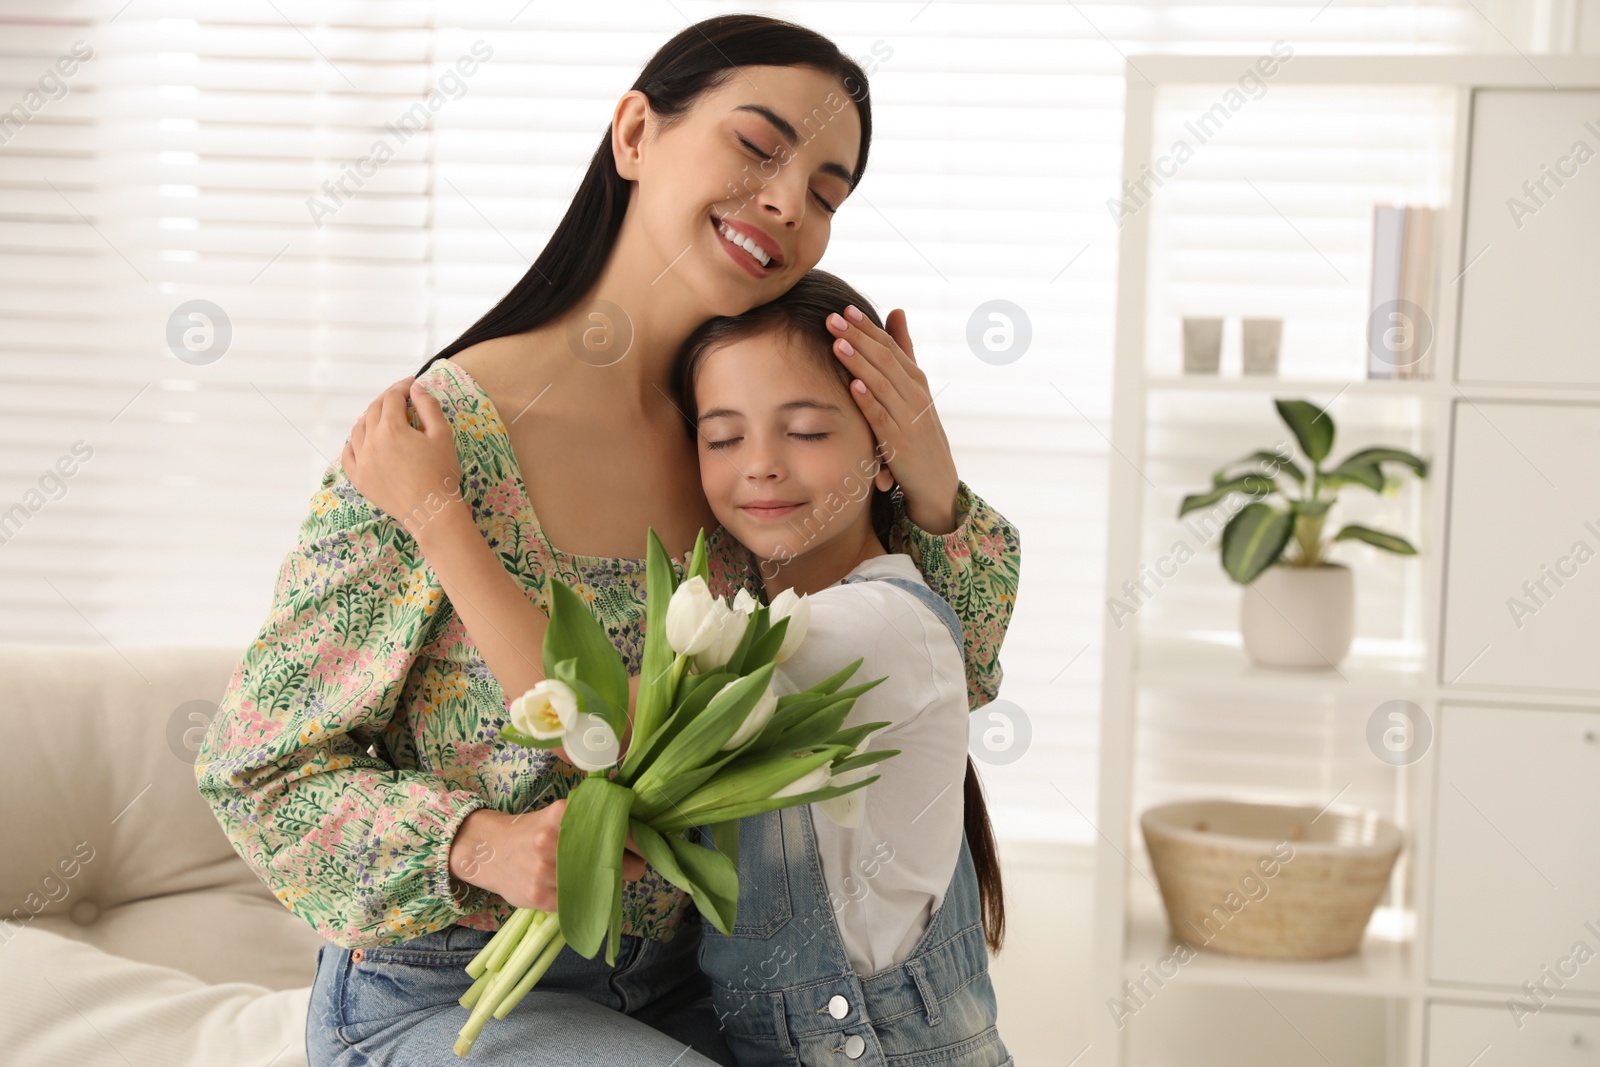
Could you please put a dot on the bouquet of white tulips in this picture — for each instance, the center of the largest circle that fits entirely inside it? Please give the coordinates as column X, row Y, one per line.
column 711, row 744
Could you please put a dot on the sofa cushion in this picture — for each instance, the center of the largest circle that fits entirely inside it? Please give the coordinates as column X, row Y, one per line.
column 107, row 839
column 68, row 1004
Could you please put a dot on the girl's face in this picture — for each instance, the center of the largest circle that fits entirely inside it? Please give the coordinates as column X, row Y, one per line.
column 767, row 154
column 787, row 461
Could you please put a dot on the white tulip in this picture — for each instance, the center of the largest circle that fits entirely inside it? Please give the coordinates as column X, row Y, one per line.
column 817, row 778
column 797, row 609
column 728, row 626
column 689, row 615
column 743, row 601
column 591, row 743
column 755, row 721
column 545, row 711
column 845, row 810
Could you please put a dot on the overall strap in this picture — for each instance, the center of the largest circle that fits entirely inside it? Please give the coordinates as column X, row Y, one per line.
column 937, row 603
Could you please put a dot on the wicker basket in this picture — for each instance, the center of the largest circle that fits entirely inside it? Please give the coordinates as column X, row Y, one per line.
column 1264, row 880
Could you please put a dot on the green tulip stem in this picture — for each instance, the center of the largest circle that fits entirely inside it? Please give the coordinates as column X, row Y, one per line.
column 536, row 972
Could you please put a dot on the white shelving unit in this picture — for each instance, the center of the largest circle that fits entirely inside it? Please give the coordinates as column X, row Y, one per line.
column 1513, row 767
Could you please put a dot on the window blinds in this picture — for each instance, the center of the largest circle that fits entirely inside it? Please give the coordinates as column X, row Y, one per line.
column 226, row 228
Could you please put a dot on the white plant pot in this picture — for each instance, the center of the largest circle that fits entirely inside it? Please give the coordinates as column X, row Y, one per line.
column 1301, row 617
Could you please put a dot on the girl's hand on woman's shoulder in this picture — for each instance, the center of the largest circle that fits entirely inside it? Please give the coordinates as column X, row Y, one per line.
column 411, row 474
column 892, row 392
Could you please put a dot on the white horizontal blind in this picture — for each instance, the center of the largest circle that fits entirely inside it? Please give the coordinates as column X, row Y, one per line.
column 178, row 161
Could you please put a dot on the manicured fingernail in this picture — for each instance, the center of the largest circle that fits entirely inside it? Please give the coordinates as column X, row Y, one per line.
column 837, row 322
column 859, row 386
column 854, row 312
column 846, row 347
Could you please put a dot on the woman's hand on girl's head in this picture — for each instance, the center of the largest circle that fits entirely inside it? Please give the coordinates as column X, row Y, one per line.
column 411, row 474
column 899, row 408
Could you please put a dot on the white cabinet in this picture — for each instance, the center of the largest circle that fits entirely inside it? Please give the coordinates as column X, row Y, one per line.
column 1522, row 604
column 1516, row 888
column 1486, row 1035
column 1489, row 638
column 1532, row 247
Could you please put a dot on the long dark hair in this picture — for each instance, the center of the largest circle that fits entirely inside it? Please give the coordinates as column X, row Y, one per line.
column 700, row 58
column 801, row 314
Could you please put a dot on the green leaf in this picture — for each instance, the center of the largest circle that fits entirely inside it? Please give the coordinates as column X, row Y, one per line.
column 864, row 759
column 1311, row 508
column 1352, row 473
column 715, row 877
column 575, row 633
column 1253, row 484
column 1376, row 456
column 747, row 780
column 725, row 836
column 701, row 739
column 830, row 684
column 756, row 807
column 1389, row 542
column 697, row 559
column 614, row 926
column 1312, row 427
column 1270, row 459
column 1254, row 539
column 698, row 689
column 818, row 727
column 655, row 667
column 766, row 646
column 658, row 797
column 854, row 735
column 709, row 876
column 589, row 699
column 754, row 628
column 594, row 833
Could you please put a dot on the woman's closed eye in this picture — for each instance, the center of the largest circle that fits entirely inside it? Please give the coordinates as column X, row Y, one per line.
column 735, row 440
column 766, row 157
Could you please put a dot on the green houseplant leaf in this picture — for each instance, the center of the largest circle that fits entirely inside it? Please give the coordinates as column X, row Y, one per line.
column 1253, row 540
column 1253, row 484
column 1389, row 542
column 1311, row 426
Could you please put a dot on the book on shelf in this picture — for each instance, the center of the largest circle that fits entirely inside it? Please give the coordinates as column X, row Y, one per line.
column 1404, row 277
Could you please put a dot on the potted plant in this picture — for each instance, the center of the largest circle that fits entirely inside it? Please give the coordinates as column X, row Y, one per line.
column 1298, row 608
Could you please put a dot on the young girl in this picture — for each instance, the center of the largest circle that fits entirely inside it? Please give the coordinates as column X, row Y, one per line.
column 863, row 929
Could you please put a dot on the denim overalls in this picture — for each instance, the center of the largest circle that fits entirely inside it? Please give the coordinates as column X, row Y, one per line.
column 787, row 994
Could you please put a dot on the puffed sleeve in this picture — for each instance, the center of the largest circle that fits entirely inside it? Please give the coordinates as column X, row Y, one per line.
column 355, row 846
column 975, row 567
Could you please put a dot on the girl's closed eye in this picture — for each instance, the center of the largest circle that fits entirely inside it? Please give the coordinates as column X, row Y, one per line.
column 734, row 440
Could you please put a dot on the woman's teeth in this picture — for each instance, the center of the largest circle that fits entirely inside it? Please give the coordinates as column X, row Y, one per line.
column 735, row 237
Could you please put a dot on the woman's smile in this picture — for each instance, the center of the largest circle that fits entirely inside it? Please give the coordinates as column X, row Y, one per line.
column 741, row 254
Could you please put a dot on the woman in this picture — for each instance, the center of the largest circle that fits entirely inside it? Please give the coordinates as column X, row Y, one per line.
column 355, row 761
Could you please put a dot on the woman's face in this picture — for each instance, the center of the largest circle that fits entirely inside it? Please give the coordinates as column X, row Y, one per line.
column 768, row 154
column 774, row 426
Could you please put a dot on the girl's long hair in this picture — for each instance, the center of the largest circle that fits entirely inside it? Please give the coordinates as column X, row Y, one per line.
column 800, row 315
column 700, row 58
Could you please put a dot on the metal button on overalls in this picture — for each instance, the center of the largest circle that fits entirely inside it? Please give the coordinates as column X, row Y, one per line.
column 854, row 1046
column 838, row 1007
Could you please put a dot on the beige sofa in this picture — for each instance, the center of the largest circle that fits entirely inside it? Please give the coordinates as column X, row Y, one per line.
column 131, row 933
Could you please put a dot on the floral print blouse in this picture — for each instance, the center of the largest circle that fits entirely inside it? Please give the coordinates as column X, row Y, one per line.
column 362, row 725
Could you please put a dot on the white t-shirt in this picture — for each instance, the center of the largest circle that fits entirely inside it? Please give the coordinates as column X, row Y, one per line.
column 886, row 876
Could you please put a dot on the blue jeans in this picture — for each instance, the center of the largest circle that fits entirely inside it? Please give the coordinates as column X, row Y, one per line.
column 397, row 1005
